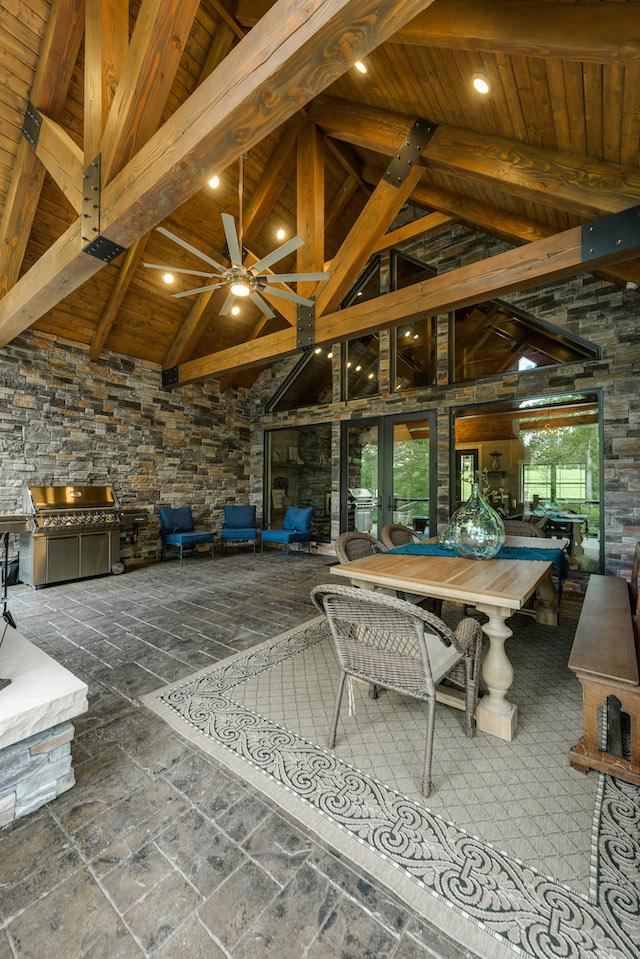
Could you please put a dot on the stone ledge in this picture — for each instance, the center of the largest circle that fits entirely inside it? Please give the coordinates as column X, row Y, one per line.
column 42, row 695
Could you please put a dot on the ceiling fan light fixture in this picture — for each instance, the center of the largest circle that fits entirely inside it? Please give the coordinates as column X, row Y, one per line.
column 214, row 181
column 240, row 288
column 361, row 67
column 168, row 277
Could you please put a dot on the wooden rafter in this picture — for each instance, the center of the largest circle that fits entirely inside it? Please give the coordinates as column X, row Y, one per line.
column 48, row 94
column 310, row 204
column 62, row 159
column 523, row 267
column 295, row 52
column 379, row 212
column 571, row 182
column 157, row 42
column 424, row 224
column 276, row 175
column 340, row 202
column 106, row 41
column 348, row 161
column 192, row 328
column 595, row 34
column 126, row 273
column 222, row 45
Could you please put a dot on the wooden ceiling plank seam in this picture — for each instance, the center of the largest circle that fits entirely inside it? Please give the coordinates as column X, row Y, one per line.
column 51, row 81
column 630, row 133
column 575, row 107
column 592, row 79
column 612, row 99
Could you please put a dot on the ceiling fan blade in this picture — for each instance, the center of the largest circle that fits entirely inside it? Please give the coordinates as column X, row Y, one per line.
column 260, row 303
column 278, row 254
column 226, row 306
column 286, row 295
column 295, row 277
column 231, row 235
column 198, row 289
column 191, row 249
column 176, row 269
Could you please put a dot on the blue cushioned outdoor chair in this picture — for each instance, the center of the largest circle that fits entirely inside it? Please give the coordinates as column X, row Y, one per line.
column 176, row 530
column 296, row 528
column 239, row 526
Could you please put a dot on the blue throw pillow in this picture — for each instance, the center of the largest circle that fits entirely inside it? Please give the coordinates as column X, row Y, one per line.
column 179, row 520
column 298, row 518
column 240, row 517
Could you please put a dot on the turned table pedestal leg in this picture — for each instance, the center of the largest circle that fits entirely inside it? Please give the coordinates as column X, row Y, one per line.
column 495, row 714
column 546, row 602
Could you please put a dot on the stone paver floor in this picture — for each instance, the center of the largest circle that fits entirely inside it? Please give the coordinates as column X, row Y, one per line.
column 157, row 850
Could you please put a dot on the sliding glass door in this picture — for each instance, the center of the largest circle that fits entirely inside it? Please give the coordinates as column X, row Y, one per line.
column 388, row 473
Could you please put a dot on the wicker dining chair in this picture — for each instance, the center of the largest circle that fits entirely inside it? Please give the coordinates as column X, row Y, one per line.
column 356, row 545
column 396, row 645
column 517, row 527
column 395, row 534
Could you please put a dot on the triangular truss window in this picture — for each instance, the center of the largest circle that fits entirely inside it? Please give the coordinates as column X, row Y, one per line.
column 493, row 338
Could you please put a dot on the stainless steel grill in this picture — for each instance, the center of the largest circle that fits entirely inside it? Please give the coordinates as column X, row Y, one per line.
column 362, row 503
column 74, row 532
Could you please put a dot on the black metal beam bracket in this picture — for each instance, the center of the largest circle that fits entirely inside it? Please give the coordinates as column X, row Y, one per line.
column 305, row 326
column 31, row 125
column 92, row 240
column 410, row 151
column 611, row 234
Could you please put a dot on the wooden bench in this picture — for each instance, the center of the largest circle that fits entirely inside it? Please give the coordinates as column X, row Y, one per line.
column 604, row 657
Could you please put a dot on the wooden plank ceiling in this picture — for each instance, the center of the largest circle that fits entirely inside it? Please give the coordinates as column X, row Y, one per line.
column 589, row 107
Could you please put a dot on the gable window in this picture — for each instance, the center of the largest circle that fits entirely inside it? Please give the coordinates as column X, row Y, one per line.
column 493, row 338
column 310, row 383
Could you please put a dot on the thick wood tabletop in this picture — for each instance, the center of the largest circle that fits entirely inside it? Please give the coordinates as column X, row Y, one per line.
column 493, row 582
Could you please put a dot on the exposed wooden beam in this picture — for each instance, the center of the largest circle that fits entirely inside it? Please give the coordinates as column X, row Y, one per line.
column 240, row 357
column 48, row 94
column 296, row 51
column 106, row 40
column 276, row 176
column 592, row 33
column 127, row 270
column 348, row 161
column 62, row 158
column 340, row 202
column 192, row 328
column 159, row 36
column 229, row 19
column 571, row 182
column 424, row 224
column 310, row 204
column 596, row 33
column 523, row 267
column 380, row 210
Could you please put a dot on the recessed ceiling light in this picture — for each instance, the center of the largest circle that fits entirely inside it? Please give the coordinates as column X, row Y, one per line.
column 349, row 365
column 317, row 350
column 235, row 310
column 240, row 289
column 361, row 67
column 359, row 293
column 168, row 277
column 481, row 83
column 329, row 356
column 408, row 333
column 281, row 233
column 370, row 376
column 415, row 336
column 214, row 182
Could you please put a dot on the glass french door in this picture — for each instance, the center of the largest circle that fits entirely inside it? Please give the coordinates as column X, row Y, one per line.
column 388, row 473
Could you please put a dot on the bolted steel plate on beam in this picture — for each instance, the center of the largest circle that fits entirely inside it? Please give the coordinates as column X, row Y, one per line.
column 169, row 377
column 305, row 326
column 31, row 125
column 104, row 249
column 93, row 242
column 611, row 234
column 410, row 151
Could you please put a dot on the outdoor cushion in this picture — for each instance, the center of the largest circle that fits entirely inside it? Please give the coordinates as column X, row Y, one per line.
column 239, row 533
column 186, row 539
column 239, row 517
column 298, row 518
column 284, row 536
column 179, row 520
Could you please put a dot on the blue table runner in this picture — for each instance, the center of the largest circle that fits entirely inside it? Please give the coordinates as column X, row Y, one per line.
column 556, row 556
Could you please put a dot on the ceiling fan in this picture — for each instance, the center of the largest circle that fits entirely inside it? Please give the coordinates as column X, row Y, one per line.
column 242, row 280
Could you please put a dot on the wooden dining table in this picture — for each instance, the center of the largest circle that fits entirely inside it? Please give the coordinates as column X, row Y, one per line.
column 496, row 587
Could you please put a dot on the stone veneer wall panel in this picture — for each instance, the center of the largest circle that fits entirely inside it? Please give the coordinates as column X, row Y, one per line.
column 597, row 311
column 64, row 419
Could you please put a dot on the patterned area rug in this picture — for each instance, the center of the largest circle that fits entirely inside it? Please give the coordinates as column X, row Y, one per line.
column 537, row 857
